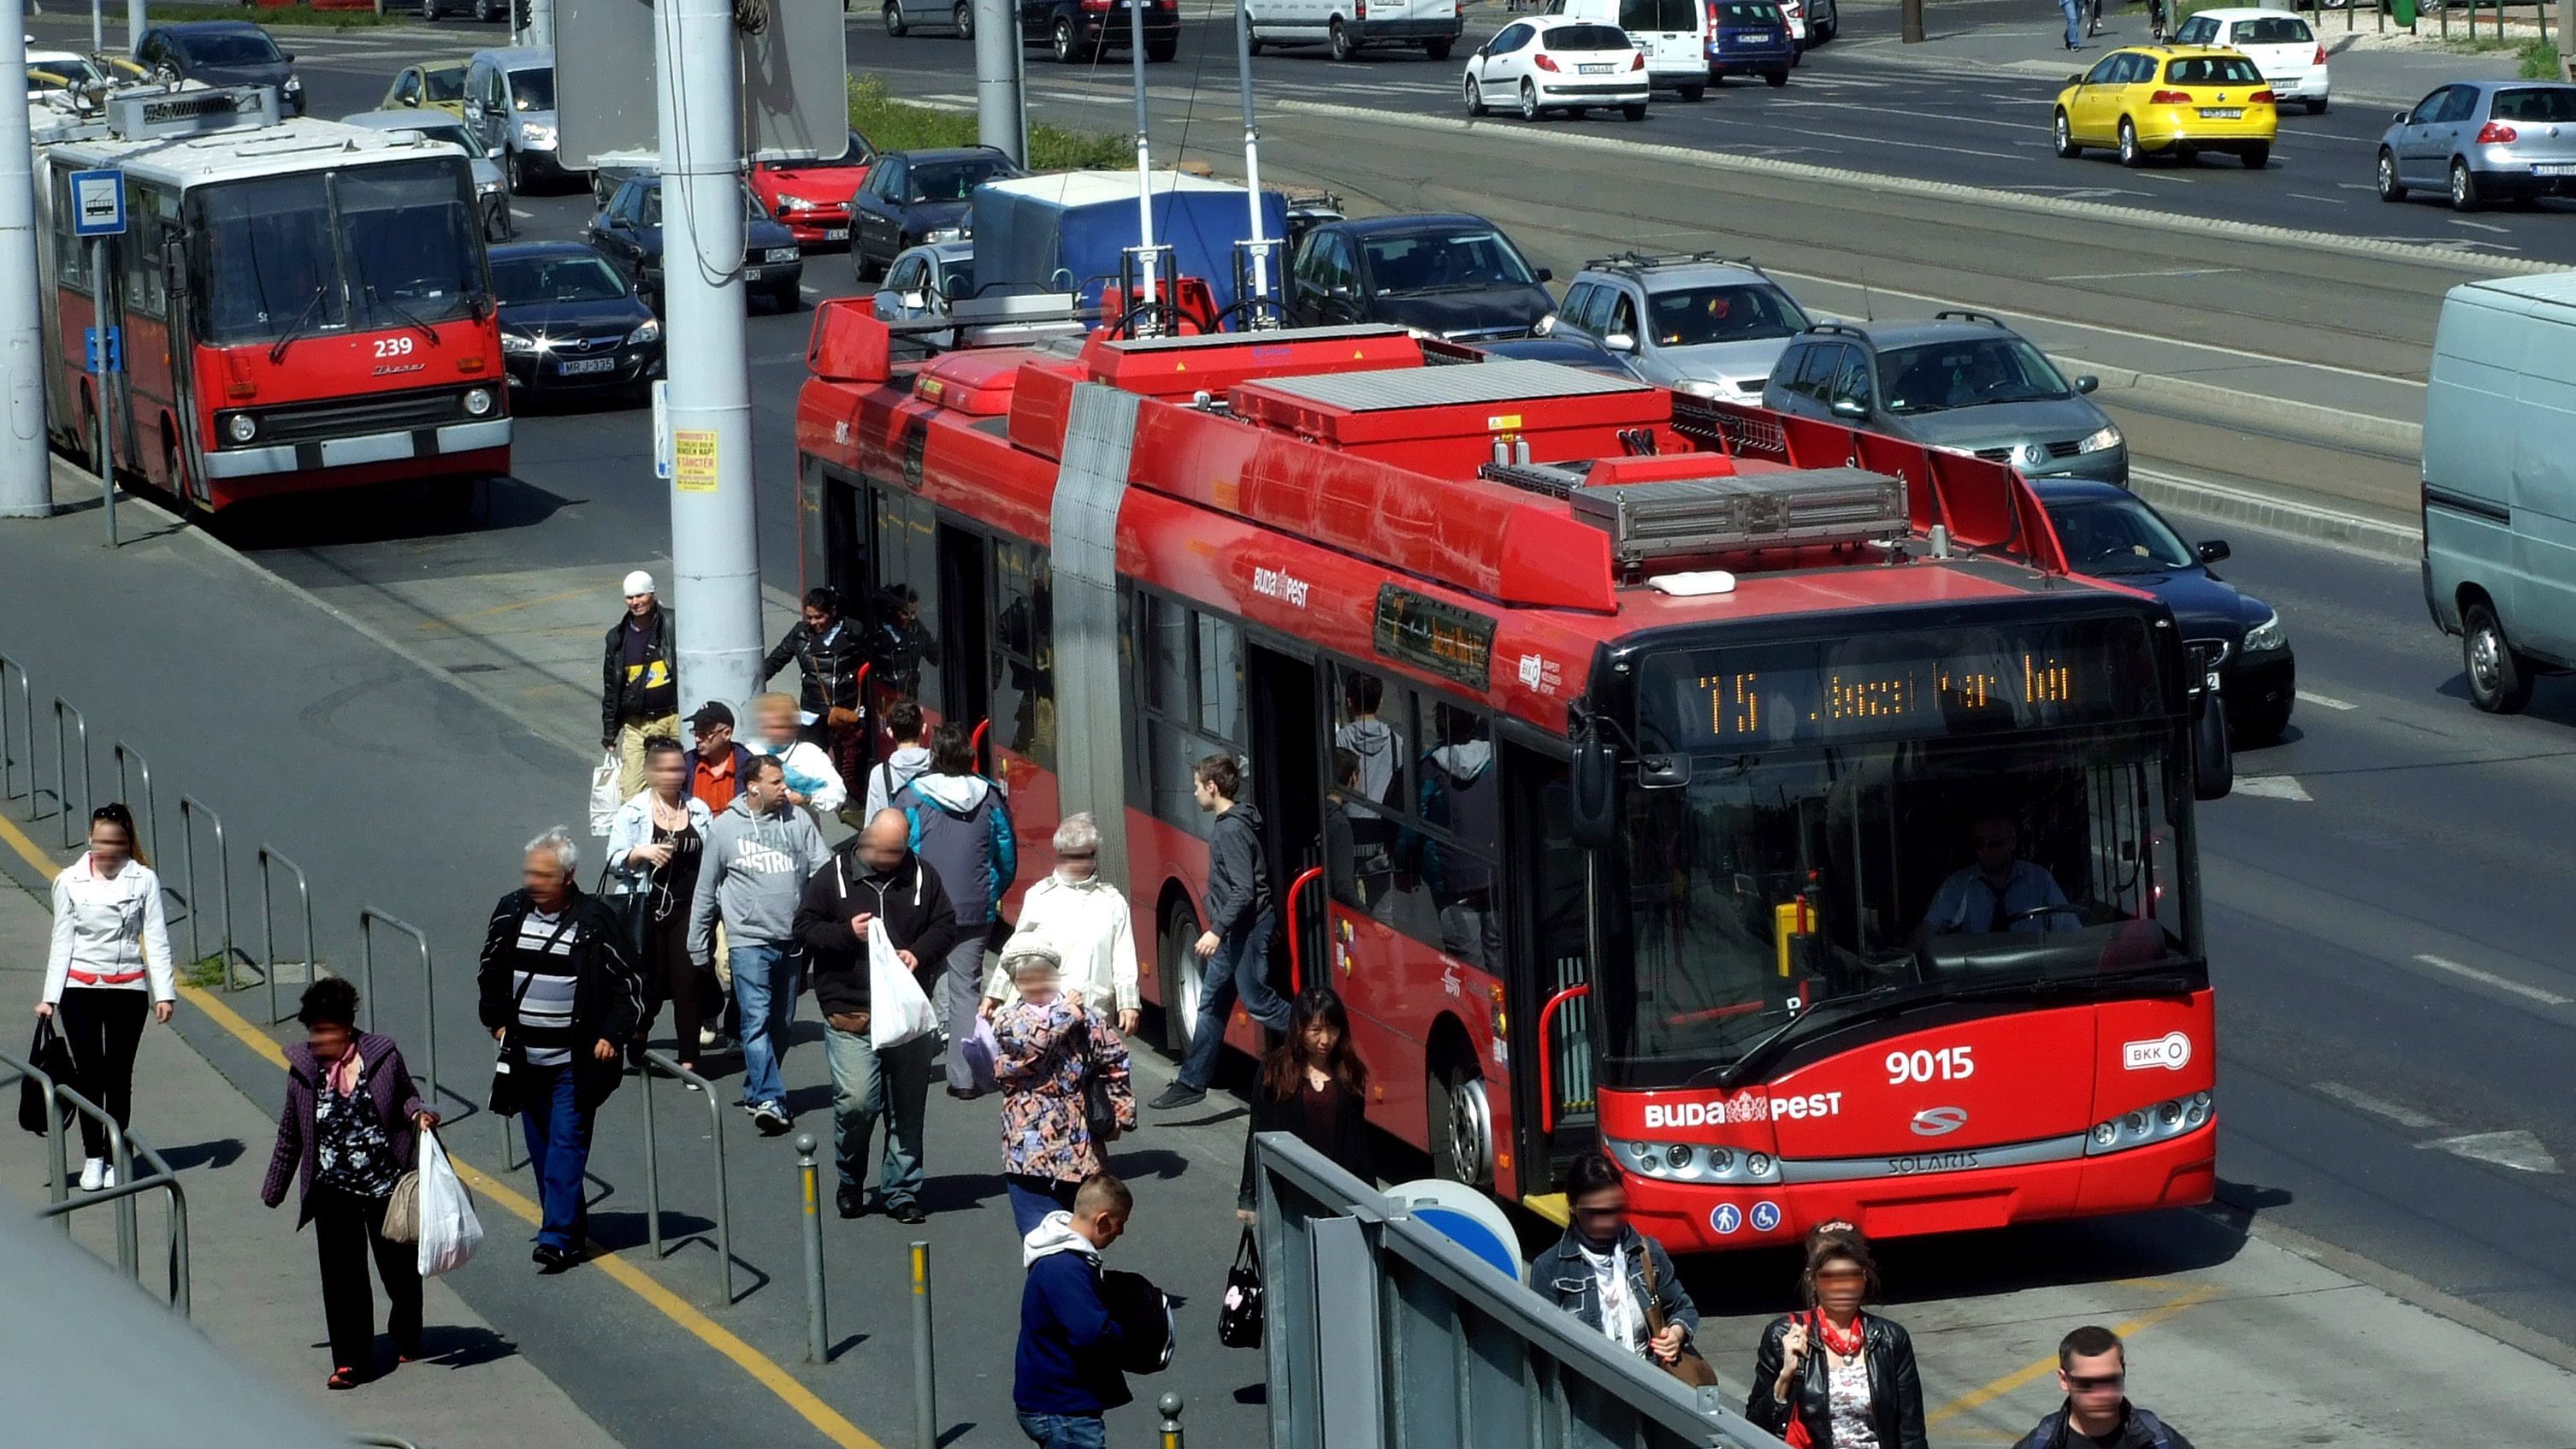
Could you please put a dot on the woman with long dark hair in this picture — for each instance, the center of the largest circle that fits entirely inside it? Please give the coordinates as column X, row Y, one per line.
column 655, row 845
column 1833, row 1376
column 109, row 965
column 1313, row 1086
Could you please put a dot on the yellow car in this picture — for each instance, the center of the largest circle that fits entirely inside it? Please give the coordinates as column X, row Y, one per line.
column 2181, row 99
column 437, row 85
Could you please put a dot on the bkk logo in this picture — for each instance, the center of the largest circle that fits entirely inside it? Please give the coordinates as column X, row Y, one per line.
column 2171, row 1051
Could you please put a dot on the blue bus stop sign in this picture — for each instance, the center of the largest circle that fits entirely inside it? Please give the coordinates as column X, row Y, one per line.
column 98, row 203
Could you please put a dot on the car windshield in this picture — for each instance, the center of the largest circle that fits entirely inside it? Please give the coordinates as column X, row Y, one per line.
column 231, row 47
column 1970, row 372
column 2553, row 105
column 2213, row 70
column 371, row 247
column 2271, row 30
column 2117, row 536
column 527, row 281
column 533, row 89
column 857, row 155
column 938, row 181
column 1437, row 261
column 451, row 132
column 54, row 74
column 1692, row 316
column 751, row 208
column 1585, row 37
column 444, row 84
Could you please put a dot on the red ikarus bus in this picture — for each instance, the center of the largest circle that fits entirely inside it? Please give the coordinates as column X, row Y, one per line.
column 1624, row 757
column 304, row 304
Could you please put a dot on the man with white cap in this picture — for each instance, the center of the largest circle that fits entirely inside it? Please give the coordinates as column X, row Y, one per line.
column 639, row 684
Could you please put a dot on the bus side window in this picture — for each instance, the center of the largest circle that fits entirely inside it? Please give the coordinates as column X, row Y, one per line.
column 1166, row 636
column 1023, row 662
column 906, row 558
column 1459, row 796
column 139, row 252
column 71, row 253
column 1367, row 767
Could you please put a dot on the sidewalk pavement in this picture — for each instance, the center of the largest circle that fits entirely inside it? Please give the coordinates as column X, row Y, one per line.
column 256, row 1291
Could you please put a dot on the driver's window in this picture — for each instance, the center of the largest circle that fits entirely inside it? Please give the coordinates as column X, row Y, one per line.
column 893, row 172
column 2100, row 74
column 1851, row 380
column 407, row 90
column 1623, row 316
column 906, row 277
column 652, row 208
column 1512, row 38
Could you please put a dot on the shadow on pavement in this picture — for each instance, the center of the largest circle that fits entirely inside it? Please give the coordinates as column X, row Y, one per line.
column 390, row 513
column 218, row 1154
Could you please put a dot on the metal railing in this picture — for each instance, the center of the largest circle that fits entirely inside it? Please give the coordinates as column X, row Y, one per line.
column 269, row 858
column 147, row 819
column 190, row 807
column 120, row 1151
column 63, row 769
column 128, row 1187
column 654, row 1061
column 59, row 1185
column 368, row 919
column 26, row 725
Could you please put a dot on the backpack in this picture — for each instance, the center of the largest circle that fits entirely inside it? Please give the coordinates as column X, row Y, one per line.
column 1143, row 1314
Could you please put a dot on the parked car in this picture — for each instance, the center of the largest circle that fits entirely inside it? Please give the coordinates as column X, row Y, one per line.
column 2499, row 499
column 2482, row 141
column 2109, row 533
column 629, row 233
column 432, row 85
column 958, row 15
column 1454, row 276
column 222, row 53
column 1674, row 34
column 911, row 197
column 2166, row 98
column 1079, row 32
column 571, row 322
column 1702, row 323
column 2292, row 59
column 1962, row 381
column 491, row 197
column 1750, row 37
column 510, row 107
column 813, row 197
column 1349, row 26
column 54, row 70
column 922, row 283
column 1570, row 66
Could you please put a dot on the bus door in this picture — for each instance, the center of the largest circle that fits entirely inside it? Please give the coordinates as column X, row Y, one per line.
column 965, row 635
column 1287, row 781
column 1548, row 953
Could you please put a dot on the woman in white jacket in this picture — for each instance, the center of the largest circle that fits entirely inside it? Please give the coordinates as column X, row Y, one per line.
column 1083, row 919
column 110, row 963
column 655, row 845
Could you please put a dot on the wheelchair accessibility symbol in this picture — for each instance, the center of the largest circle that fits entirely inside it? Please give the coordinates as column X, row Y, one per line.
column 1766, row 1216
column 1727, row 1217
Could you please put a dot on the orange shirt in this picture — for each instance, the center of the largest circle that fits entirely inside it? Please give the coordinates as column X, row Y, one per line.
column 715, row 786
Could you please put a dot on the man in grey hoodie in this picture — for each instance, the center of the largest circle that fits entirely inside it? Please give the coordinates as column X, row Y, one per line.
column 758, row 855
column 908, row 761
column 961, row 825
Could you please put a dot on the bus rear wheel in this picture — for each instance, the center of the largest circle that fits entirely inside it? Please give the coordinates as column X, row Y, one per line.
column 1462, row 1124
column 1181, row 985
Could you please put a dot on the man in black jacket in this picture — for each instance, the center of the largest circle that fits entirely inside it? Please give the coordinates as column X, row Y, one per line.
column 1236, row 944
column 828, row 651
column 2093, row 1370
column 639, row 682
column 873, row 884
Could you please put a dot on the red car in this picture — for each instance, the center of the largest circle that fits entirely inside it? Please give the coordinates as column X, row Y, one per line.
column 813, row 197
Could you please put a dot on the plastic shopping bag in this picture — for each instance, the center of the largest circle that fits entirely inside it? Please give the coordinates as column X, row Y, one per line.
column 449, row 1231
column 983, row 1056
column 603, row 794
column 898, row 1009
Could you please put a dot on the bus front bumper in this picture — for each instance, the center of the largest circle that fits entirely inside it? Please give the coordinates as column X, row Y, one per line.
column 394, row 447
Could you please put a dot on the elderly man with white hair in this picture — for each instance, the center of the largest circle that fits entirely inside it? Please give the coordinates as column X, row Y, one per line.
column 560, row 990
column 1083, row 919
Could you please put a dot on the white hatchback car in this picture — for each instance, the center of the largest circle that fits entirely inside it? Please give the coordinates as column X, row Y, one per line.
column 2282, row 47
column 1553, row 63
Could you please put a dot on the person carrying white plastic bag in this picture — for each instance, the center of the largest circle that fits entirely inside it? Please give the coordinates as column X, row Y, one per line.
column 604, row 798
column 449, row 1231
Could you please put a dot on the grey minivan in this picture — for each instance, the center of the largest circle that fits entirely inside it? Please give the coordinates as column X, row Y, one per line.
column 2500, row 482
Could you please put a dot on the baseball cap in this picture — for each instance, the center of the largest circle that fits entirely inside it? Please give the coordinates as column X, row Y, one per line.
column 638, row 582
column 711, row 713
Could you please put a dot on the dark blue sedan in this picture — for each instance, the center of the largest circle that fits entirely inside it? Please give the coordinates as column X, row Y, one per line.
column 571, row 323
column 628, row 231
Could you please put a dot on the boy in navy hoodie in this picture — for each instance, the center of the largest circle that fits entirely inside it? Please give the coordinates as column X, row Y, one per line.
column 1067, row 1372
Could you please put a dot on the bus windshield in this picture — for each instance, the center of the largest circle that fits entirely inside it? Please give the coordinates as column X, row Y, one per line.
column 1898, row 817
column 371, row 248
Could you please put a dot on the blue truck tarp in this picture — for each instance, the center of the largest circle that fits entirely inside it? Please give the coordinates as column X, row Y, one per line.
column 1030, row 230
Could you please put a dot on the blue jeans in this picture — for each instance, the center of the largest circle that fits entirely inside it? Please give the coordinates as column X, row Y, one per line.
column 2074, row 21
column 1241, row 964
column 1032, row 1198
column 558, row 1131
column 1065, row 1431
column 764, row 990
column 868, row 1084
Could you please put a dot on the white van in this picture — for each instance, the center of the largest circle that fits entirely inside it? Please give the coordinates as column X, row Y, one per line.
column 2500, row 482
column 1672, row 33
column 1348, row 25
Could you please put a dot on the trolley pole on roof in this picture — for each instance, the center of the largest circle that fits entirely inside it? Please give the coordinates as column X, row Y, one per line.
column 714, row 553
column 26, row 475
column 1001, row 119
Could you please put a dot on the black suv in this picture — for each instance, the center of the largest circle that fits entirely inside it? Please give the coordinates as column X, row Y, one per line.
column 223, row 53
column 1079, row 32
column 1455, row 276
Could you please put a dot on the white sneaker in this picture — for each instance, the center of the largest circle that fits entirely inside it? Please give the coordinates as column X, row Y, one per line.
column 107, row 1177
column 92, row 1173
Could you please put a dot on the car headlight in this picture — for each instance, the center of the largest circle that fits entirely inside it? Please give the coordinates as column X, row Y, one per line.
column 518, row 346
column 651, row 331
column 1701, row 387
column 242, row 427
column 294, row 85
column 478, row 401
column 487, row 188
column 2108, row 436
column 780, row 254
column 946, row 233
column 2267, row 636
column 793, row 203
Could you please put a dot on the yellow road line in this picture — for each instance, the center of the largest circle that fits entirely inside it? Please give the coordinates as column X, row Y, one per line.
column 768, row 1374
column 2019, row 1378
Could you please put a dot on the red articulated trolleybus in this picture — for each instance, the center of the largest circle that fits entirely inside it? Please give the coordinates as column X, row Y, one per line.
column 1623, row 756
column 304, row 304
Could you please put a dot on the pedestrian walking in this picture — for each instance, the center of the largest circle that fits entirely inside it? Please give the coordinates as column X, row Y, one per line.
column 350, row 1130
column 655, row 846
column 1066, row 1373
column 716, row 760
column 1832, row 1375
column 2093, row 1373
column 813, row 782
column 1052, row 1045
column 962, row 826
column 905, row 762
column 759, row 854
column 109, row 965
column 828, row 652
column 875, row 883
column 1314, row 1087
column 639, row 681
column 2073, row 10
column 1235, row 948
column 560, row 990
column 1084, row 918
column 899, row 642
column 1612, row 1277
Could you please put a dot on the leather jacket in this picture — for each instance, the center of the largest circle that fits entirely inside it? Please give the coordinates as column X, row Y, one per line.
column 1895, row 1390
column 829, row 663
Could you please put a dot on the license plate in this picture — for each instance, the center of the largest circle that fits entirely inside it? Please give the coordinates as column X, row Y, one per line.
column 751, row 274
column 1593, row 69
column 836, row 233
column 575, row 367
column 2222, row 113
column 2553, row 170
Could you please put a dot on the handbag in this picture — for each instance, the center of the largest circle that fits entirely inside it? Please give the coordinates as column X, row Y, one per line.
column 1239, row 1319
column 1693, row 1370
column 632, row 909
column 1099, row 1108
column 402, row 1210
column 51, row 1055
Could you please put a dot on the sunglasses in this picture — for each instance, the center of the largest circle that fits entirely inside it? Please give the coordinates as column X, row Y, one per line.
column 2095, row 1383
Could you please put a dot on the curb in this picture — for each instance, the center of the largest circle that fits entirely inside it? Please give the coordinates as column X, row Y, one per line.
column 1953, row 191
column 2391, row 542
column 2315, row 423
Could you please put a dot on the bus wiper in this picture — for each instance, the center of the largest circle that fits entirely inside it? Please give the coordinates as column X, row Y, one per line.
column 1840, row 1009
column 294, row 330
column 397, row 309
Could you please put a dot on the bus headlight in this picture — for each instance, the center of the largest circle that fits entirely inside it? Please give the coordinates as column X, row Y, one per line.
column 1678, row 1157
column 2159, row 1122
column 241, row 427
column 478, row 401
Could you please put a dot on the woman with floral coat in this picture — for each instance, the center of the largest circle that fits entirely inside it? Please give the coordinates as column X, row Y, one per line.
column 1047, row 1146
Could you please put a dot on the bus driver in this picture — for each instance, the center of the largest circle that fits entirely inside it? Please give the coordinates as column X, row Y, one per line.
column 1999, row 892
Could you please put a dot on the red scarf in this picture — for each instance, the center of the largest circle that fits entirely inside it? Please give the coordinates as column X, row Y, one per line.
column 1824, row 1334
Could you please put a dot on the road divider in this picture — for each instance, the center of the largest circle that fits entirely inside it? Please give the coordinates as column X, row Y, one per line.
column 2223, row 503
column 2393, row 438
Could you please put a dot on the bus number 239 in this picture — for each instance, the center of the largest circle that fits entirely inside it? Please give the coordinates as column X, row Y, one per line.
column 393, row 346
column 1949, row 1064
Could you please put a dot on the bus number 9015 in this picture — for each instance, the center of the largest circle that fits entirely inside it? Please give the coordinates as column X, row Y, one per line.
column 1949, row 1064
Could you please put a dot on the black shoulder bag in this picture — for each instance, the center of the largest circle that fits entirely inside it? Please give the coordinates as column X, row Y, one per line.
column 509, row 1068
column 1239, row 1319
column 1099, row 1109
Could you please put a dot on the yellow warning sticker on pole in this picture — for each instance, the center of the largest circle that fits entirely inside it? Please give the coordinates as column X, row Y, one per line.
column 693, row 460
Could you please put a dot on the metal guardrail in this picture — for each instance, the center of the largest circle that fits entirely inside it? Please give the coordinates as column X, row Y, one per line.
column 59, row 1186
column 1383, row 1332
column 63, row 770
column 269, row 858
column 26, row 717
column 654, row 1061
column 146, row 817
column 128, row 1187
column 368, row 919
column 190, row 807
column 120, row 1151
